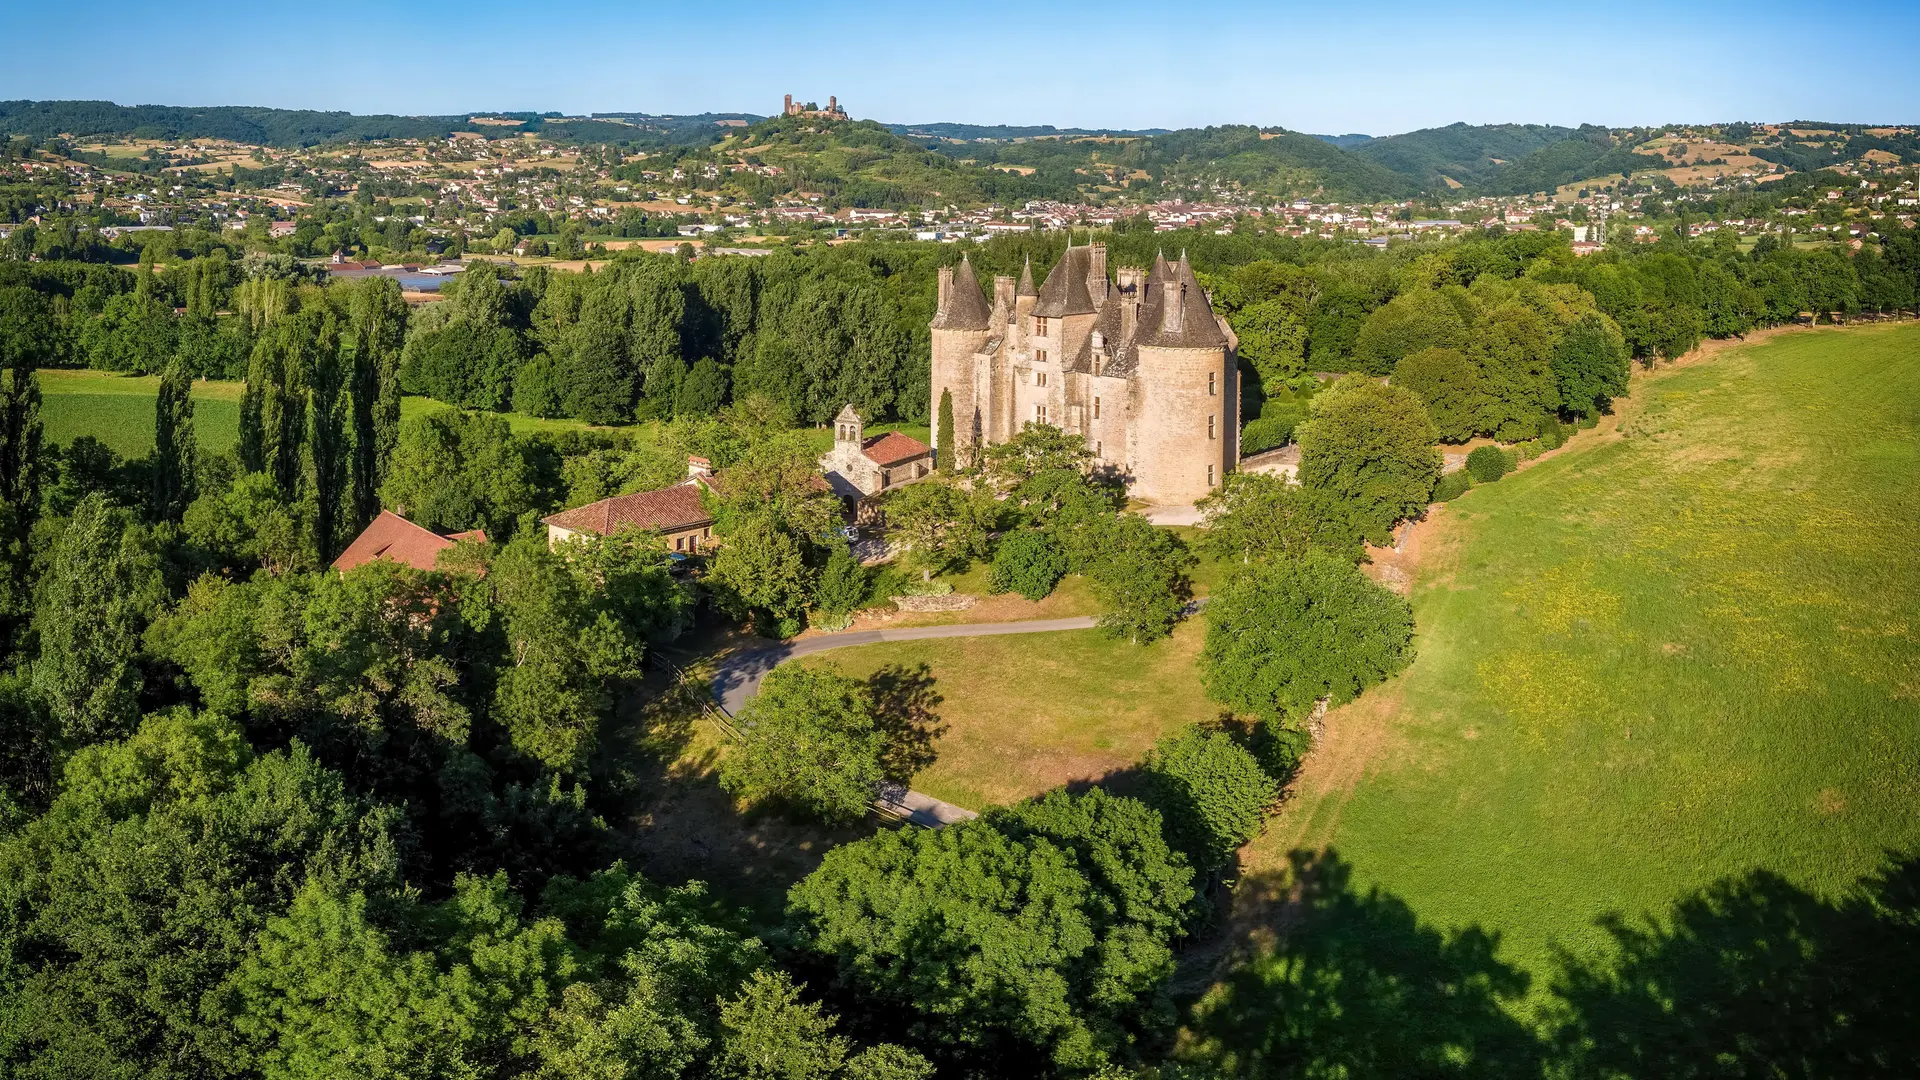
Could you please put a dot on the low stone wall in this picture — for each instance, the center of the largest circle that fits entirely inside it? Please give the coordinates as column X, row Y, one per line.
column 950, row 602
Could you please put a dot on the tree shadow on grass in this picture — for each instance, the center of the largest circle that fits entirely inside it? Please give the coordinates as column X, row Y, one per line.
column 1356, row 987
column 1749, row 977
column 673, row 821
column 904, row 703
column 1752, row 976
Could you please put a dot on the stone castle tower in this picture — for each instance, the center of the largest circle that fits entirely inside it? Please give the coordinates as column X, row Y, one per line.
column 1138, row 365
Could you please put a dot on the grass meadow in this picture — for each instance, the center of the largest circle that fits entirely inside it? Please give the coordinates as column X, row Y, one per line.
column 118, row 410
column 1677, row 651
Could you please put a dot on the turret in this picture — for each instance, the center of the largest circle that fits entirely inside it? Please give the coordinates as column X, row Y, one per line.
column 961, row 327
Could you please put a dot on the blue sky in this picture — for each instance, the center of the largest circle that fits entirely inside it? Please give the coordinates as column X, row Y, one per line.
column 1379, row 68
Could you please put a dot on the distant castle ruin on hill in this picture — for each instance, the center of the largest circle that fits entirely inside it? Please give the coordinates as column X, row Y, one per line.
column 1139, row 366
column 833, row 111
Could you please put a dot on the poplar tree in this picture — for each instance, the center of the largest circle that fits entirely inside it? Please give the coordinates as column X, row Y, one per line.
column 943, row 440
column 19, row 486
column 377, row 322
column 173, row 450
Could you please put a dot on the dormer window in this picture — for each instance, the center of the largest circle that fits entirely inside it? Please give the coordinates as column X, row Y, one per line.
column 1039, row 326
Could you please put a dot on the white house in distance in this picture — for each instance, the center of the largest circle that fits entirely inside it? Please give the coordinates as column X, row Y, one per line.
column 859, row 467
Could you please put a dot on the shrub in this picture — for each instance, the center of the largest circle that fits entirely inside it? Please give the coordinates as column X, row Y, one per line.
column 1528, row 450
column 1452, row 486
column 886, row 583
column 1265, row 434
column 1487, row 464
column 1027, row 562
column 1210, row 790
column 1552, row 434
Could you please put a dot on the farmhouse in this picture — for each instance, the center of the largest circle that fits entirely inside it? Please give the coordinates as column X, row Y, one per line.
column 676, row 512
column 396, row 539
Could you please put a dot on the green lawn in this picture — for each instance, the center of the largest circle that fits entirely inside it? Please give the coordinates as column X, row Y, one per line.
column 1026, row 713
column 1654, row 660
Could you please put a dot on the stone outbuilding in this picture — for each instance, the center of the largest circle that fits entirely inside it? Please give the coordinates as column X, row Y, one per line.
column 859, row 467
column 677, row 513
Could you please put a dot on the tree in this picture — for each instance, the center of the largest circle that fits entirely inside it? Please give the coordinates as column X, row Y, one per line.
column 455, row 471
column 565, row 656
column 1283, row 635
column 1034, row 449
column 1413, row 321
column 1370, row 446
column 762, row 572
column 1212, row 792
column 377, row 323
column 1258, row 516
column 1035, row 931
column 1451, row 387
column 93, row 602
column 1028, row 562
column 1590, row 365
column 942, row 523
column 703, row 391
column 329, row 451
column 1273, row 338
column 174, row 448
column 1140, row 578
column 843, row 583
column 190, row 843
column 770, row 1034
column 808, row 740
column 20, row 476
column 1516, row 370
column 943, row 458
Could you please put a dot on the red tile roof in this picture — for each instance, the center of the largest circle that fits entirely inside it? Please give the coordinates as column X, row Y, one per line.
column 668, row 509
column 893, row 448
column 393, row 537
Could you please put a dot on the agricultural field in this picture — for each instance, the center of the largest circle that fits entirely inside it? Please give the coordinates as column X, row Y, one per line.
column 118, row 410
column 1681, row 649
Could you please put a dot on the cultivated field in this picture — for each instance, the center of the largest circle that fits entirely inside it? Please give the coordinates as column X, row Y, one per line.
column 1670, row 653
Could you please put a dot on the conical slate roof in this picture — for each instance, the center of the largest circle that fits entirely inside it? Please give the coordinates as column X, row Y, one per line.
column 1026, row 280
column 1065, row 291
column 1198, row 328
column 967, row 306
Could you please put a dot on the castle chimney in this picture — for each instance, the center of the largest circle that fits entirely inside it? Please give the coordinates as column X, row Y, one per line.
column 1003, row 293
column 1173, row 307
column 1097, row 272
column 946, row 290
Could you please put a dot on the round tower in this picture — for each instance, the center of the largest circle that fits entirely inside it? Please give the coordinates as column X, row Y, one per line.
column 961, row 326
column 1184, row 422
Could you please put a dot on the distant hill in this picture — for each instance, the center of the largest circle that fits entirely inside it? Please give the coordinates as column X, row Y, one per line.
column 1458, row 155
column 306, row 127
column 1347, row 142
column 1003, row 132
column 1589, row 152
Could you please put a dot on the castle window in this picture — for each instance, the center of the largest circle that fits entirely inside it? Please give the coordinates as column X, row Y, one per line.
column 1040, row 356
column 1210, row 433
column 1210, row 377
column 1039, row 414
column 1209, row 476
column 1096, row 408
column 1040, row 377
column 1040, row 326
